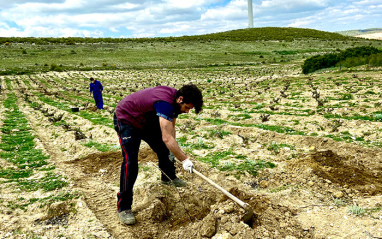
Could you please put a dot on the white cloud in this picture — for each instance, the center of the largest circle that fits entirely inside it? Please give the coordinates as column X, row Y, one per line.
column 185, row 4
column 11, row 31
column 148, row 18
column 351, row 11
column 64, row 32
column 172, row 30
column 368, row 2
column 127, row 5
column 291, row 4
column 302, row 23
column 48, row 32
column 235, row 9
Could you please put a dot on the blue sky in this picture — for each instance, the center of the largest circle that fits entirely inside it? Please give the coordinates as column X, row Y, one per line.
column 156, row 18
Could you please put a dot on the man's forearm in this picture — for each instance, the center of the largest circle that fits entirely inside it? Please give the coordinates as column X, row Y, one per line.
column 173, row 146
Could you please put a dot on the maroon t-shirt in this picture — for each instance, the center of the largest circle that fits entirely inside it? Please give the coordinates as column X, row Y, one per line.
column 133, row 108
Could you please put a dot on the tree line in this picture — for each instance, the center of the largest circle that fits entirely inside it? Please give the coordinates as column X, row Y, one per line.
column 348, row 58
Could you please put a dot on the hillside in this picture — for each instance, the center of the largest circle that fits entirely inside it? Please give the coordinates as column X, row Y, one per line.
column 358, row 32
column 271, row 33
column 249, row 34
column 256, row 46
column 371, row 33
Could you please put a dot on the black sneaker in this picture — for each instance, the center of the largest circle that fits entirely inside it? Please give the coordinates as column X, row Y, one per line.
column 127, row 217
column 176, row 182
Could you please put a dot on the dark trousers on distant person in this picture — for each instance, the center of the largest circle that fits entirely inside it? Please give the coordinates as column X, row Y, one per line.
column 98, row 100
column 130, row 139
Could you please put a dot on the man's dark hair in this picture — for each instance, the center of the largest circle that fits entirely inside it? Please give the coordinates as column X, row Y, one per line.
column 191, row 94
column 91, row 78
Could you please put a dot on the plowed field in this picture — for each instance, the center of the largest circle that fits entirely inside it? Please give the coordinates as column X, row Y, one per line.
column 304, row 152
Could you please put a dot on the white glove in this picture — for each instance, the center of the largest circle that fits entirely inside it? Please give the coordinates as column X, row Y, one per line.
column 188, row 165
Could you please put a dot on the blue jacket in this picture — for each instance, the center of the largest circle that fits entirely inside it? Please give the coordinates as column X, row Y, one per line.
column 96, row 87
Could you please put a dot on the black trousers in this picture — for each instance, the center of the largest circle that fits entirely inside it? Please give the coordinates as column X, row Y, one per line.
column 130, row 139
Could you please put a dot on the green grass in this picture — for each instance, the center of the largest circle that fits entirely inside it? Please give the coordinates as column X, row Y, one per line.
column 59, row 197
column 18, row 148
column 250, row 166
column 214, row 158
column 27, row 157
column 238, row 117
column 182, row 141
column 17, row 141
column 275, row 128
column 66, row 106
column 344, row 136
column 352, row 117
column 14, row 205
column 11, row 173
column 47, row 183
column 101, row 147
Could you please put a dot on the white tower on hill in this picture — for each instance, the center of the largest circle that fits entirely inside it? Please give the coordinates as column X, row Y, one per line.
column 250, row 14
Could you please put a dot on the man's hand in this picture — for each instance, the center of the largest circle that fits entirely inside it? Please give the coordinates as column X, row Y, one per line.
column 188, row 165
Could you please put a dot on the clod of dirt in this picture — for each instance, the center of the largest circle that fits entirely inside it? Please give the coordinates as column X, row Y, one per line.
column 156, row 212
column 208, row 228
column 58, row 209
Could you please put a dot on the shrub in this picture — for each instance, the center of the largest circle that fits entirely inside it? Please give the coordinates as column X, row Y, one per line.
column 319, row 62
column 55, row 67
column 375, row 60
column 378, row 117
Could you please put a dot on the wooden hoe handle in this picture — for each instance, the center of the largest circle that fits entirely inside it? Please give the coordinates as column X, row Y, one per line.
column 238, row 201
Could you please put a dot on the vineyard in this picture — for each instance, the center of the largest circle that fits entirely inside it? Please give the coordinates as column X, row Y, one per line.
column 305, row 151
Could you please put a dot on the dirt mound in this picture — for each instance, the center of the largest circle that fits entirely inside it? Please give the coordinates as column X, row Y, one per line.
column 342, row 170
column 201, row 212
column 196, row 211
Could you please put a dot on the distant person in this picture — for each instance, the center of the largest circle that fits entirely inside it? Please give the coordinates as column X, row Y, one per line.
column 97, row 88
column 150, row 115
